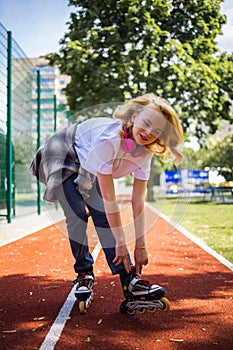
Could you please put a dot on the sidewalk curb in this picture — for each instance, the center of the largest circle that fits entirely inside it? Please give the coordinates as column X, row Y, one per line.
column 26, row 225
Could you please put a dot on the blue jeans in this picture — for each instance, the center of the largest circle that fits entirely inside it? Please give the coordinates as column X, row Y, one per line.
column 74, row 209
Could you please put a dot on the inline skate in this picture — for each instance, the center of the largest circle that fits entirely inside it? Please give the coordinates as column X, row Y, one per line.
column 140, row 295
column 84, row 290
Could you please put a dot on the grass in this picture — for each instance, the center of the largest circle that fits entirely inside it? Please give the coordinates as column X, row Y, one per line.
column 210, row 221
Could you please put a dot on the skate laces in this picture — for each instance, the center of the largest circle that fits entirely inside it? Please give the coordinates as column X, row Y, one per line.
column 85, row 279
column 137, row 284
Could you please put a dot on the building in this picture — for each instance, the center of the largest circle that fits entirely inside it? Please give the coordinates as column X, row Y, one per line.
column 52, row 83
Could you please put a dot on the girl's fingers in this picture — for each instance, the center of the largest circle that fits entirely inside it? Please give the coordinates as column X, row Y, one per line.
column 138, row 269
column 119, row 260
column 126, row 264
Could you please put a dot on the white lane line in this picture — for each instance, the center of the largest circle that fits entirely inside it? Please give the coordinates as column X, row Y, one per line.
column 193, row 238
column 55, row 331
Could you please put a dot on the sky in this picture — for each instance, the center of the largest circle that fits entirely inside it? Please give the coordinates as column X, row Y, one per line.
column 38, row 25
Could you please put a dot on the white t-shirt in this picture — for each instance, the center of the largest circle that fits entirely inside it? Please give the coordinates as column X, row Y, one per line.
column 98, row 145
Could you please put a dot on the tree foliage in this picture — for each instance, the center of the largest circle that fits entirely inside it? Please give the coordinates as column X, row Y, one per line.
column 117, row 49
column 24, row 150
column 2, row 151
column 219, row 157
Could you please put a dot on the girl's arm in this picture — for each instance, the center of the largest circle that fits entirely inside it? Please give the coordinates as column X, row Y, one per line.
column 138, row 200
column 114, row 219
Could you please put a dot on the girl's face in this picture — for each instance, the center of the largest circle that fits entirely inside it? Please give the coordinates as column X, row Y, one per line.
column 147, row 126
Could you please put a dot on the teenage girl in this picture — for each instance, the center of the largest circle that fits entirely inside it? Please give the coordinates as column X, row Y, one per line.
column 78, row 165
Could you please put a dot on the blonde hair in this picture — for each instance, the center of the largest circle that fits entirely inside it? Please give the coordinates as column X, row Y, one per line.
column 169, row 142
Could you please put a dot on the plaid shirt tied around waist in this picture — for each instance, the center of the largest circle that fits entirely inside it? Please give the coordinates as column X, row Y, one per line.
column 56, row 160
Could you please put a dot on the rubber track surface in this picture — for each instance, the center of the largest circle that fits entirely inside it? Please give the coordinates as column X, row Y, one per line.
column 35, row 281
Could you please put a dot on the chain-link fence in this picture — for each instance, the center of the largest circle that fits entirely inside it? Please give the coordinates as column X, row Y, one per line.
column 28, row 115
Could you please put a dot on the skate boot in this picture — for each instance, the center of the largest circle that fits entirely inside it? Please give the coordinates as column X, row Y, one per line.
column 84, row 289
column 140, row 295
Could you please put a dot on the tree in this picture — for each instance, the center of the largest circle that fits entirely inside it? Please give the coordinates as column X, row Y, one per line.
column 2, row 169
column 24, row 149
column 219, row 157
column 118, row 49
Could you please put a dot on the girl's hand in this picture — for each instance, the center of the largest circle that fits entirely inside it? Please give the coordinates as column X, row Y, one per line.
column 140, row 258
column 122, row 257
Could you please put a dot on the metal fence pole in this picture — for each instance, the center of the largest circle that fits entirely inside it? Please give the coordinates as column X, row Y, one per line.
column 38, row 137
column 55, row 113
column 68, row 116
column 9, row 157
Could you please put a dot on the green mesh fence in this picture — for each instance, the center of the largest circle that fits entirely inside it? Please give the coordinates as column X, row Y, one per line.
column 24, row 145
column 3, row 113
column 21, row 94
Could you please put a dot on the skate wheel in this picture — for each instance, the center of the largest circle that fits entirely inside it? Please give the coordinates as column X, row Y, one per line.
column 141, row 310
column 82, row 307
column 166, row 304
column 123, row 307
column 153, row 310
column 131, row 312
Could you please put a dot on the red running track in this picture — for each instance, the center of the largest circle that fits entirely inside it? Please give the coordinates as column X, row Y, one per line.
column 35, row 281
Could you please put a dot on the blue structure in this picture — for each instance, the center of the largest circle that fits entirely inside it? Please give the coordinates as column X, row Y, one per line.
column 186, row 180
column 173, row 176
column 199, row 175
